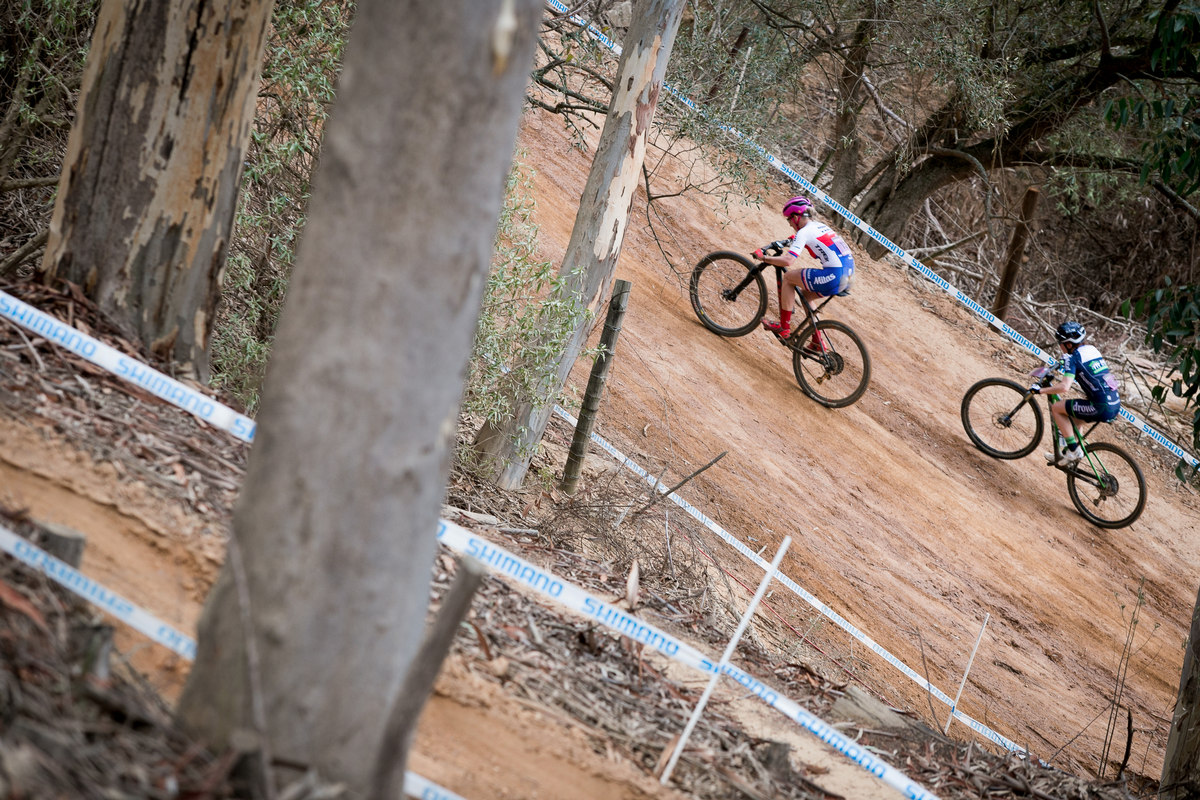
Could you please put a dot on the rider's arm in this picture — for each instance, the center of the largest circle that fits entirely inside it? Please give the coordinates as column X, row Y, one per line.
column 791, row 251
column 784, row 260
column 1062, row 386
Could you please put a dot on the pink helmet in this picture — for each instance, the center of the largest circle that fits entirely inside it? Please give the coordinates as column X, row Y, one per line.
column 797, row 205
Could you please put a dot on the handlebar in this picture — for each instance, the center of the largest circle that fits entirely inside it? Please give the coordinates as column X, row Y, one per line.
column 1044, row 375
column 774, row 248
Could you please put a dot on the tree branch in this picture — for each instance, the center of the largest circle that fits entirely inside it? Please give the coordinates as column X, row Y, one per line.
column 28, row 183
column 23, row 252
column 983, row 174
column 1170, row 193
column 934, row 252
column 387, row 780
column 658, row 497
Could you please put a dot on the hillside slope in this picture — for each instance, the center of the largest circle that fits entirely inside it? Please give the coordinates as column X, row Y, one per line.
column 898, row 522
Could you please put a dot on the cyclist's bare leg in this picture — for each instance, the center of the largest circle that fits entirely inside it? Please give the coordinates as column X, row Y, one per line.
column 812, row 298
column 787, row 294
column 1062, row 420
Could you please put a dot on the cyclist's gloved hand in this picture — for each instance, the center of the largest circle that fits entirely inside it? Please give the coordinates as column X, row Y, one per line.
column 758, row 254
column 1035, row 389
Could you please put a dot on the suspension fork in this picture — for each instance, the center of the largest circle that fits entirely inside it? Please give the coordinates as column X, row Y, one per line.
column 732, row 294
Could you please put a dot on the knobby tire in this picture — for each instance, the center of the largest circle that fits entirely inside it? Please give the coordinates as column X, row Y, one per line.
column 713, row 282
column 1118, row 497
column 997, row 422
column 840, row 376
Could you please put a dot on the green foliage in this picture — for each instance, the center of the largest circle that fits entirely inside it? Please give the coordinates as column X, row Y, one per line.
column 42, row 50
column 300, row 68
column 527, row 317
column 522, row 315
column 1169, row 120
column 1171, row 125
column 946, row 42
column 42, row 47
column 1172, row 315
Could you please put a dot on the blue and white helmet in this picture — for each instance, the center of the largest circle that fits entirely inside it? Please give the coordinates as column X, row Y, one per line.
column 1071, row 332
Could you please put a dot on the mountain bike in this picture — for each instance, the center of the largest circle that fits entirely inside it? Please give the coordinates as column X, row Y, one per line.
column 1004, row 421
column 729, row 295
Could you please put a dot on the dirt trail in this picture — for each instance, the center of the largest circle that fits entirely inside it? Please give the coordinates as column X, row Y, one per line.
column 144, row 549
column 897, row 521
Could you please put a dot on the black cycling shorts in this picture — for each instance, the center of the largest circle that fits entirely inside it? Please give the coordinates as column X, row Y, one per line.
column 1089, row 411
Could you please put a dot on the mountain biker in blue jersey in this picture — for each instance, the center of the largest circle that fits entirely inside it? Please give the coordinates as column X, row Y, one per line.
column 1085, row 364
column 833, row 274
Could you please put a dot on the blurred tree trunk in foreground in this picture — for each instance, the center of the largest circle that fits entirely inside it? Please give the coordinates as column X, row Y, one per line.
column 336, row 525
column 1181, row 765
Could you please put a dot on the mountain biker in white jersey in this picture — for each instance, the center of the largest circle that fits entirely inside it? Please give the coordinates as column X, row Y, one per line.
column 1085, row 364
column 834, row 272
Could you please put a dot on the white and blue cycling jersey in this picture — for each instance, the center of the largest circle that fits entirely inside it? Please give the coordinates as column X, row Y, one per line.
column 836, row 269
column 1089, row 368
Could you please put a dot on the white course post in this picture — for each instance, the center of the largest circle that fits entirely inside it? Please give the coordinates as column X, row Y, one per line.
column 712, row 683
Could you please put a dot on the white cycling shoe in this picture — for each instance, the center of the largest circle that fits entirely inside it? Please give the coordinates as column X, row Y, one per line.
column 1065, row 458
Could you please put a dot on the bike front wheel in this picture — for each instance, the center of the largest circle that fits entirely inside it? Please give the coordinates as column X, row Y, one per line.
column 999, row 420
column 1107, row 486
column 837, row 373
column 728, row 294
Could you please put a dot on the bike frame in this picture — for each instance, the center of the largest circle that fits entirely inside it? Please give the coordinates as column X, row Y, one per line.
column 810, row 313
column 716, row 303
column 1097, row 468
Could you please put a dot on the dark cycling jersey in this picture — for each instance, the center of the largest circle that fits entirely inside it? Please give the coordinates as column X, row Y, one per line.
column 1091, row 371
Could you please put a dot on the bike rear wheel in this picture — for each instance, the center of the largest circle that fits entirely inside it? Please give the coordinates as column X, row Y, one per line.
column 727, row 294
column 1110, row 490
column 998, row 422
column 838, row 376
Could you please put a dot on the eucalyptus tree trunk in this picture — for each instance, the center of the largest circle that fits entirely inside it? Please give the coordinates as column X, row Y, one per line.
column 336, row 525
column 1181, row 765
column 150, row 180
column 506, row 448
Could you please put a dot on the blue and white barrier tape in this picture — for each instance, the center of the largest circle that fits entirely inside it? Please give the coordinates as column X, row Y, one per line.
column 135, row 617
column 576, row 599
column 423, row 789
column 516, row 569
column 802, row 593
column 243, row 427
column 132, row 370
column 144, row 622
column 895, row 249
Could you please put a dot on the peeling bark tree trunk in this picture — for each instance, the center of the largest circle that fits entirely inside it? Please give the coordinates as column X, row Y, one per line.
column 506, row 448
column 150, row 181
column 1181, row 765
column 338, row 513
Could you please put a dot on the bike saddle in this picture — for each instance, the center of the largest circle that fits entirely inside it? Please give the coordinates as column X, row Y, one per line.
column 843, row 293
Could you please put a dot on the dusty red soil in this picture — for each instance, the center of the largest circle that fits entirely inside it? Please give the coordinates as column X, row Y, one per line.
column 897, row 522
